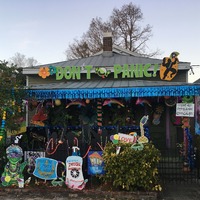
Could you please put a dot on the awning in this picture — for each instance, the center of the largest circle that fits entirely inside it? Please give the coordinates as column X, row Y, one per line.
column 112, row 89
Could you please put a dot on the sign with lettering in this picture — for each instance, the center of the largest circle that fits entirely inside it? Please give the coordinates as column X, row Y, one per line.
column 74, row 173
column 46, row 168
column 185, row 110
column 123, row 71
column 127, row 138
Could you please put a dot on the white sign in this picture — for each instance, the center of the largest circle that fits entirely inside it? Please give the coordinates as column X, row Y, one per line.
column 185, row 110
column 127, row 138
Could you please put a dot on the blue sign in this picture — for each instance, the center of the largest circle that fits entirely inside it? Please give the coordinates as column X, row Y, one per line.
column 46, row 168
column 95, row 163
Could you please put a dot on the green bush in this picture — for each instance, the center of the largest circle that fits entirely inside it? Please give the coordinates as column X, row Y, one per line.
column 131, row 169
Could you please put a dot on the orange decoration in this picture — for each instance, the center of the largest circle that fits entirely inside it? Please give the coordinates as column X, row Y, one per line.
column 44, row 72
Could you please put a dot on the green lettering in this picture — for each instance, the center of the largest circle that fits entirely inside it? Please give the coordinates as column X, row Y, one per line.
column 125, row 72
column 59, row 73
column 117, row 70
column 146, row 73
column 88, row 71
column 76, row 72
column 67, row 72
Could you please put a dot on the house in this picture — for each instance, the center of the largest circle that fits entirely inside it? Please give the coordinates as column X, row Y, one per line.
column 108, row 93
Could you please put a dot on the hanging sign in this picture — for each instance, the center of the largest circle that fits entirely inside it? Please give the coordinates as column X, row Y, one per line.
column 185, row 110
column 46, row 168
column 95, row 163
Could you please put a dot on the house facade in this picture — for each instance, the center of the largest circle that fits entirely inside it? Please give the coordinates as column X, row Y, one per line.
column 92, row 98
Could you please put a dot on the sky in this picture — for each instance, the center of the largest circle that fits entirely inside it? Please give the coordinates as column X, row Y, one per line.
column 43, row 29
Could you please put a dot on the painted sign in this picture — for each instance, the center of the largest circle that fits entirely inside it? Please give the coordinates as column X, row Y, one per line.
column 169, row 67
column 75, row 72
column 46, row 168
column 74, row 174
column 127, row 138
column 185, row 110
column 95, row 163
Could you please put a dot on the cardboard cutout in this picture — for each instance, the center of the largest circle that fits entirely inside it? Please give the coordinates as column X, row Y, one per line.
column 74, row 174
column 169, row 67
column 46, row 168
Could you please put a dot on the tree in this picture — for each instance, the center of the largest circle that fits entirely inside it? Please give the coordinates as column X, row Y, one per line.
column 126, row 31
column 21, row 61
column 12, row 93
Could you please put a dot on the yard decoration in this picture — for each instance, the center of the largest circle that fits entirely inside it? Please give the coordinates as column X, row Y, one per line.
column 170, row 102
column 95, row 163
column 2, row 129
column 13, row 171
column 74, row 175
column 76, row 103
column 57, row 102
column 169, row 67
column 40, row 115
column 99, row 115
column 143, row 138
column 142, row 101
column 112, row 101
column 137, row 146
column 102, row 72
column 46, row 169
column 54, row 143
column 157, row 114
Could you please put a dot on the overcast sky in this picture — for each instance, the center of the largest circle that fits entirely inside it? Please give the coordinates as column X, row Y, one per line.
column 43, row 29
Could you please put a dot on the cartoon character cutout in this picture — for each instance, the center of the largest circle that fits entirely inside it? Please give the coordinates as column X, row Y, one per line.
column 169, row 67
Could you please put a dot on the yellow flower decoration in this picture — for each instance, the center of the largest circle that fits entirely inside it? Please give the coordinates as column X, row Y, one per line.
column 44, row 72
column 7, row 178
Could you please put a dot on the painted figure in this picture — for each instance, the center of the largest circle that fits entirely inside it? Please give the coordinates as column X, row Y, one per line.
column 13, row 171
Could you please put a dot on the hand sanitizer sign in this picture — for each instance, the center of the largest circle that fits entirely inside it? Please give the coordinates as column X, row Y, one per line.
column 74, row 174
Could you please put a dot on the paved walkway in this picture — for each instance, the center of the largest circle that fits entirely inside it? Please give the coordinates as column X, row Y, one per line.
column 180, row 191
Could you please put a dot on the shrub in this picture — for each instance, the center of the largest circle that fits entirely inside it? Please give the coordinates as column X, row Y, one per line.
column 131, row 169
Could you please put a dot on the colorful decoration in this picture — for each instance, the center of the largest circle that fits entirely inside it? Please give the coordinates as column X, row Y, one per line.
column 112, row 101
column 30, row 157
column 131, row 138
column 179, row 90
column 186, row 122
column 95, row 163
column 143, row 138
column 157, row 114
column 13, row 171
column 46, row 168
column 57, row 102
column 40, row 115
column 102, row 72
column 2, row 129
column 142, row 101
column 99, row 115
column 74, row 175
column 187, row 99
column 137, row 146
column 169, row 67
column 197, row 115
column 44, row 72
column 76, row 103
column 170, row 102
